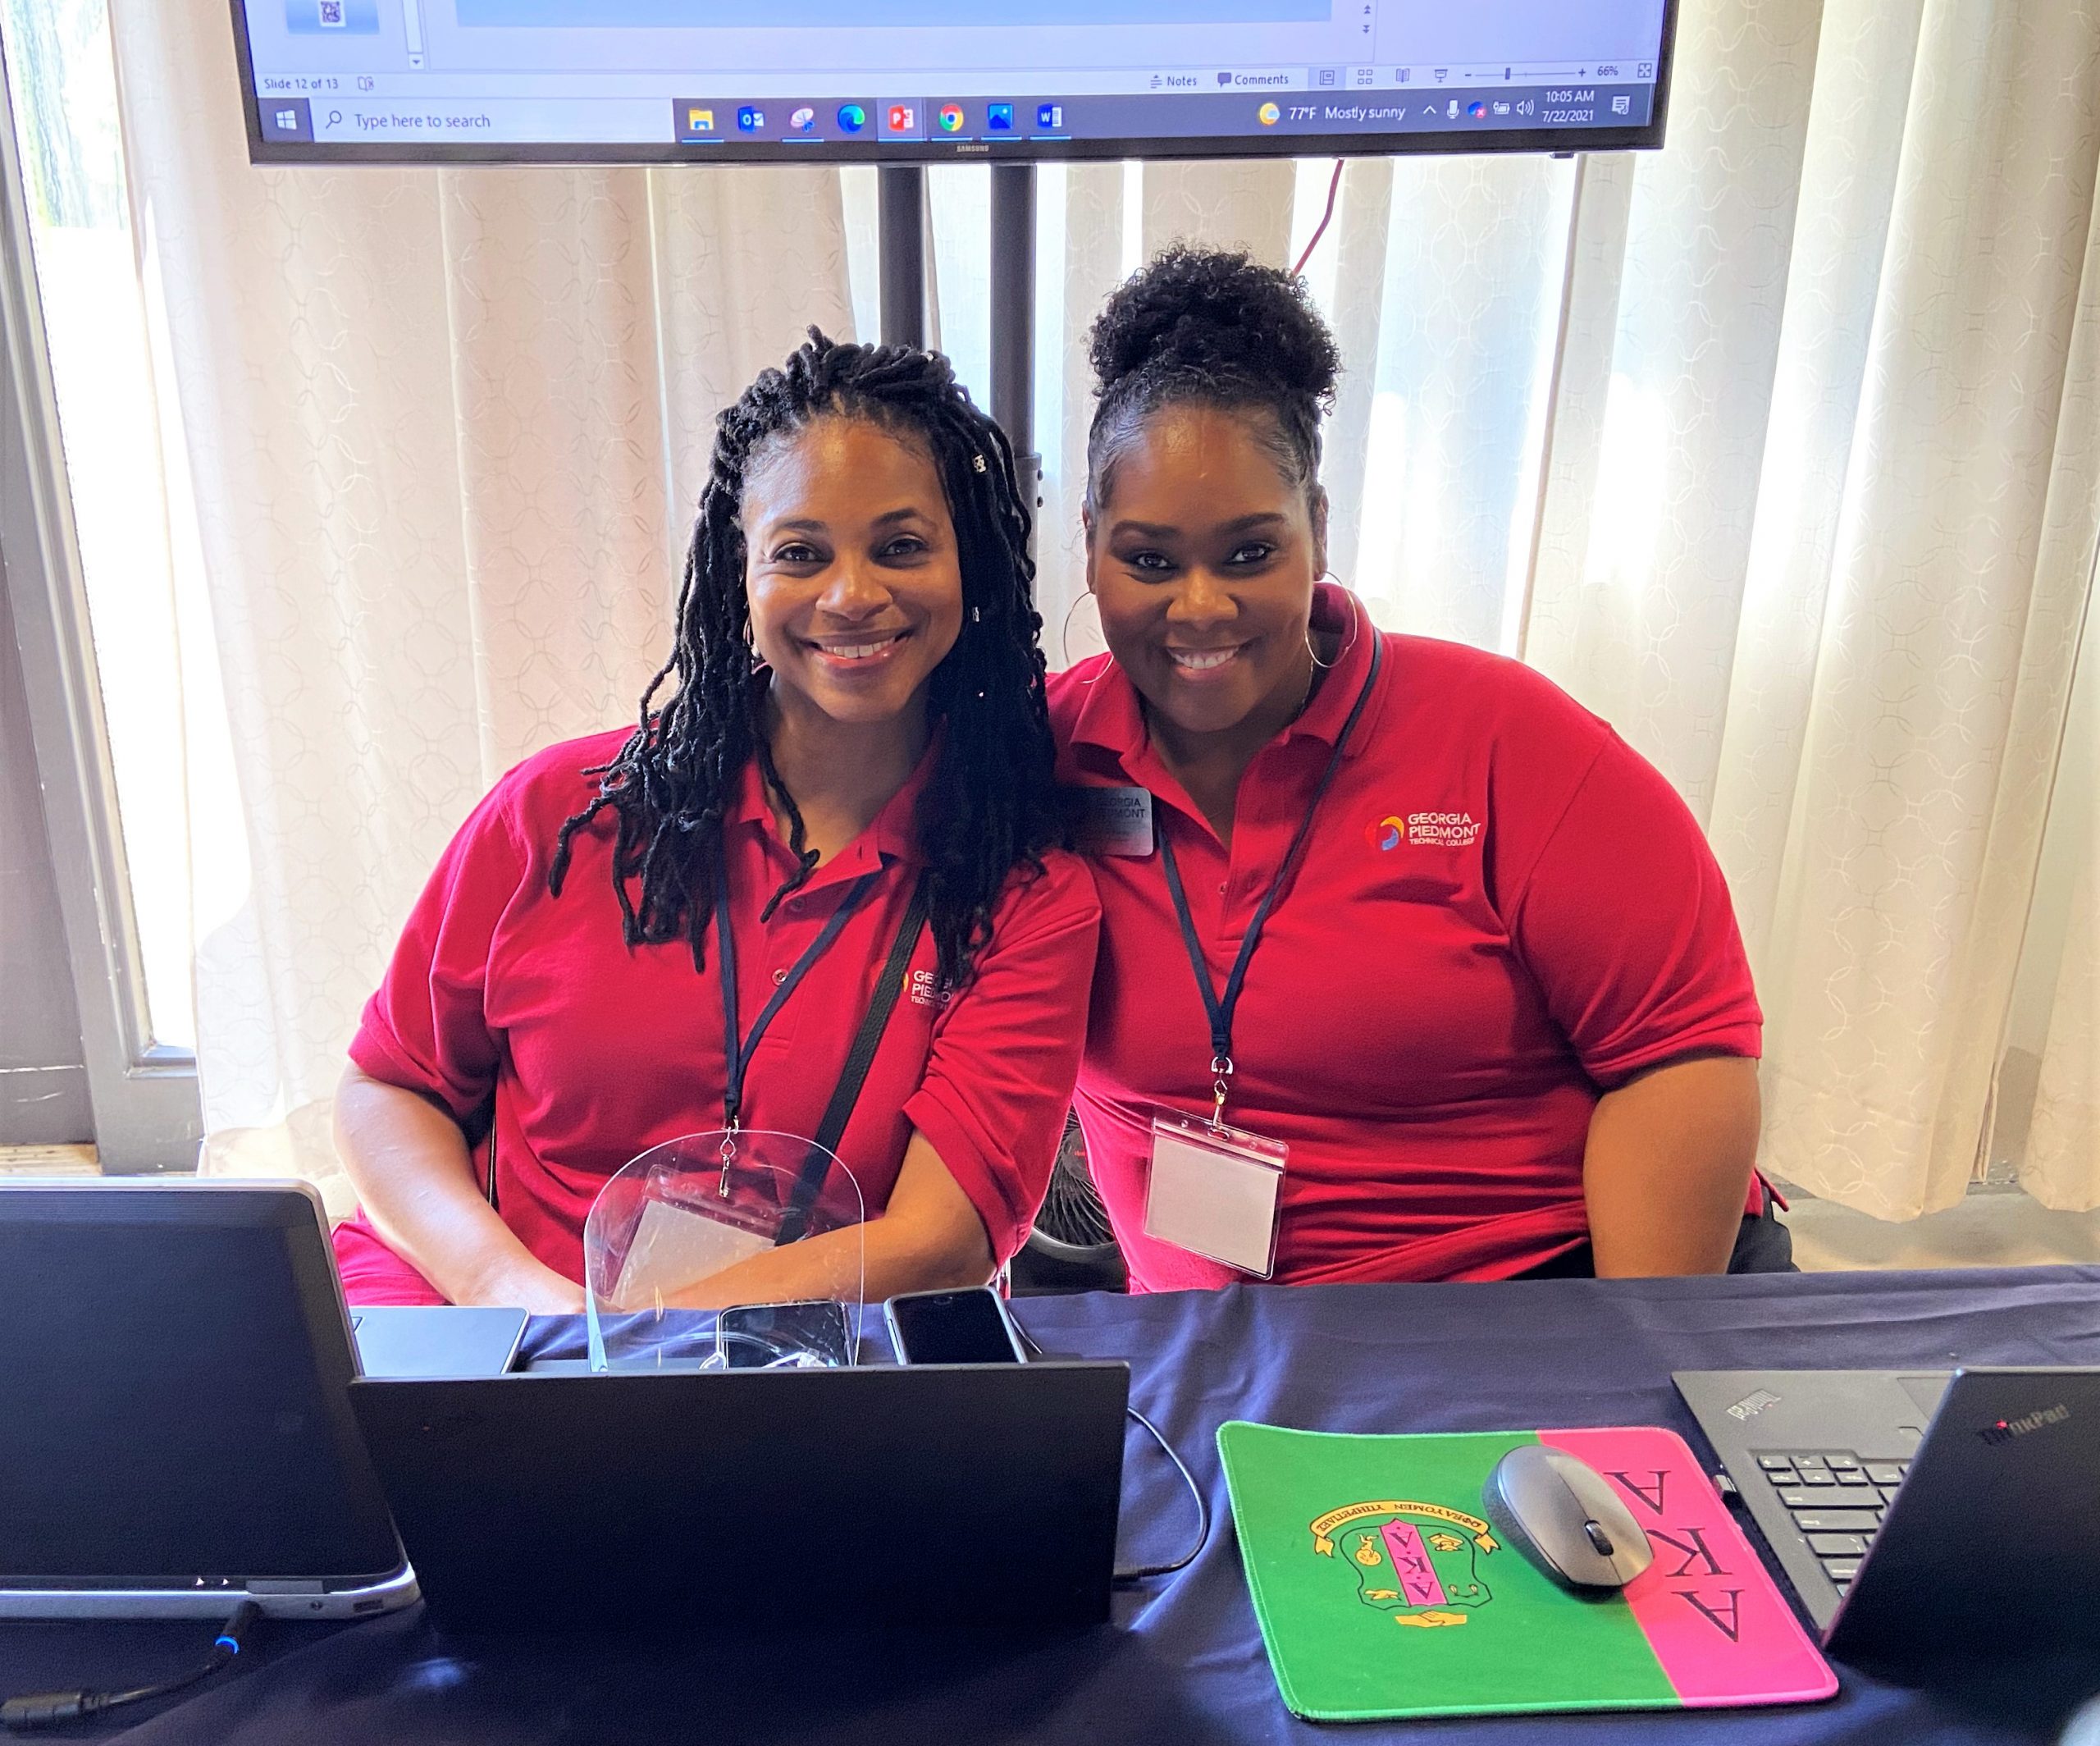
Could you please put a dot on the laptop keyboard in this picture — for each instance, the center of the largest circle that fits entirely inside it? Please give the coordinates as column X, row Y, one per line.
column 1837, row 1501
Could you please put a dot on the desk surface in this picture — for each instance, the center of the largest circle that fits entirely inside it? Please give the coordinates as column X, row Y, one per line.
column 1184, row 1661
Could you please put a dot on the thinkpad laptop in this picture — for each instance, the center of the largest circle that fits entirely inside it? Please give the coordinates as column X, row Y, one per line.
column 176, row 1431
column 816, row 1499
column 1917, row 1512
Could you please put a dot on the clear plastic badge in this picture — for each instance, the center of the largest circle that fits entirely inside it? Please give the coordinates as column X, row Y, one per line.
column 693, row 1224
column 1215, row 1190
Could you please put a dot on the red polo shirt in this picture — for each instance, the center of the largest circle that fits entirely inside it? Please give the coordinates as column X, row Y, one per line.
column 1501, row 912
column 594, row 1051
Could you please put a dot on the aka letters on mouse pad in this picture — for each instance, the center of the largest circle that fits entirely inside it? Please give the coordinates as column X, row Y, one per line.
column 1383, row 1591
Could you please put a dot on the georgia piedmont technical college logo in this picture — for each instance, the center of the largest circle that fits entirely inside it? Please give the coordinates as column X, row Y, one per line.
column 1418, row 1570
column 1423, row 830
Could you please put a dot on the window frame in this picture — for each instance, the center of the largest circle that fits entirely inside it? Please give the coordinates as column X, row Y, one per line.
column 147, row 1110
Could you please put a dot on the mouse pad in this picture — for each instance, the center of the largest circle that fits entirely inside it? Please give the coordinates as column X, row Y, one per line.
column 1383, row 1591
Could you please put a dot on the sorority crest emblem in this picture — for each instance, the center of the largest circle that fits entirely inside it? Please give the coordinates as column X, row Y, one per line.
column 1419, row 1563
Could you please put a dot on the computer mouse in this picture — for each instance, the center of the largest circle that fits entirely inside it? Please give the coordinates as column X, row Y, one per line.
column 1564, row 1515
column 2083, row 1729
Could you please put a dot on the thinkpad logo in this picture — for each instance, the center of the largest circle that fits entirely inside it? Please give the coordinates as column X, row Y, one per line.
column 2006, row 1429
column 1751, row 1405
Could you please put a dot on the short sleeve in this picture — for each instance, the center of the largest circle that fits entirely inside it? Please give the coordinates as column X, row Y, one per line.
column 1006, row 1054
column 1625, row 922
column 425, row 1029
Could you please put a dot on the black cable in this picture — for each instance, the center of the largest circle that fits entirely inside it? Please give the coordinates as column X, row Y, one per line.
column 35, row 1710
column 1148, row 1572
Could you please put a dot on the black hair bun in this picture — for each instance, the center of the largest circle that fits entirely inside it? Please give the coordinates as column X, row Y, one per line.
column 1210, row 313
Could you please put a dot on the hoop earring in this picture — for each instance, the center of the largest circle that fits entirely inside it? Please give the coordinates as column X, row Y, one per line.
column 1065, row 630
column 1355, row 629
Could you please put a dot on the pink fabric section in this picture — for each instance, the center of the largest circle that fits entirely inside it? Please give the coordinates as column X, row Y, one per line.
column 1417, row 1575
column 372, row 1274
column 1715, row 1620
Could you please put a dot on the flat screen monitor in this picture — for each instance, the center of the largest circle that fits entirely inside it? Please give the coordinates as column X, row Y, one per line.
column 930, row 81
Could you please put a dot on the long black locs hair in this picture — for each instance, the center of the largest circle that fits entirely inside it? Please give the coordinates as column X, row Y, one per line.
column 990, row 805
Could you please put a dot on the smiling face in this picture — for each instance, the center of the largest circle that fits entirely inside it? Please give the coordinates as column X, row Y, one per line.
column 851, row 569
column 1203, row 559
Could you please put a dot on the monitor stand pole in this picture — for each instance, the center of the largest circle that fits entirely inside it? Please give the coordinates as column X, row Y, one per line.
column 1013, row 323
column 901, row 253
column 902, row 222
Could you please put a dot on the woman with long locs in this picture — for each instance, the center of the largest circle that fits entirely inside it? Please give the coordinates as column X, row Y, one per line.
column 850, row 738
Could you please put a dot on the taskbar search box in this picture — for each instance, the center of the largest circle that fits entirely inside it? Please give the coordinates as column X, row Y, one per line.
column 464, row 122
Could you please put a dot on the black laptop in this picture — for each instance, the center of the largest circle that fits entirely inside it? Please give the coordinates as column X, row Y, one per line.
column 1921, row 1514
column 820, row 1499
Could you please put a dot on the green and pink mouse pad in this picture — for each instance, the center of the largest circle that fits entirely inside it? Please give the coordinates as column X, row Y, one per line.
column 1383, row 1591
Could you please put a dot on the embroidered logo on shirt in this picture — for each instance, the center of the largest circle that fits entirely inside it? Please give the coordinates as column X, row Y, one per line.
column 1424, row 831
column 928, row 990
column 1442, row 829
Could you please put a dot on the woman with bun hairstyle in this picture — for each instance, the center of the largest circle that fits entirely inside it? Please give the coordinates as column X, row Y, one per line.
column 689, row 924
column 1410, row 968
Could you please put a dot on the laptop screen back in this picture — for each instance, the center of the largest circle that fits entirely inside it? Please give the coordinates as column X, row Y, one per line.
column 176, row 1363
column 1992, row 1544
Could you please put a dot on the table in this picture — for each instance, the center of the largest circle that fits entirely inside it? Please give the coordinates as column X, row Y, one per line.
column 1183, row 1662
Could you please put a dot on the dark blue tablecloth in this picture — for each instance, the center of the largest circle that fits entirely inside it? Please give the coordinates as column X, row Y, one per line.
column 1184, row 1659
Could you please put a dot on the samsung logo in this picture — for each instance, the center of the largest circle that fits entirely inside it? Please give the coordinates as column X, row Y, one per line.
column 2006, row 1429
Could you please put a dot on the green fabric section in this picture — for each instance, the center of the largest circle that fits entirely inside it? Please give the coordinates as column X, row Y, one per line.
column 1347, row 1640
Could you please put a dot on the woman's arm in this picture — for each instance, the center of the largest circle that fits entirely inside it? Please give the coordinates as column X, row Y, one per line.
column 929, row 1236
column 409, row 1162
column 1666, row 1172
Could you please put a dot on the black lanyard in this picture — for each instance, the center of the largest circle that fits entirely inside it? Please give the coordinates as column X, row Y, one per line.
column 1221, row 1008
column 736, row 1046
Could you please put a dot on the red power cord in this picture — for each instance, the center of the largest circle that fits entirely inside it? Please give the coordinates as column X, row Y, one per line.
column 1333, row 188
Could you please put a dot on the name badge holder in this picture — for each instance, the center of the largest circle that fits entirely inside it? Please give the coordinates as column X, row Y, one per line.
column 1214, row 1191
column 665, row 1239
column 1115, row 821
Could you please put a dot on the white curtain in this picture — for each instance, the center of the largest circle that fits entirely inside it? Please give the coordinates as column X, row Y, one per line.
column 440, row 433
column 1921, row 562
column 1780, row 448
column 1832, row 551
column 2063, row 1137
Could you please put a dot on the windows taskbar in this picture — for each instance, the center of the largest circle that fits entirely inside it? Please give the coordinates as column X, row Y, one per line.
column 286, row 129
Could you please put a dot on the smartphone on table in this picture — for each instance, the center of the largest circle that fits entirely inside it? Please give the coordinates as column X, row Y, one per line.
column 810, row 1334
column 969, row 1326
